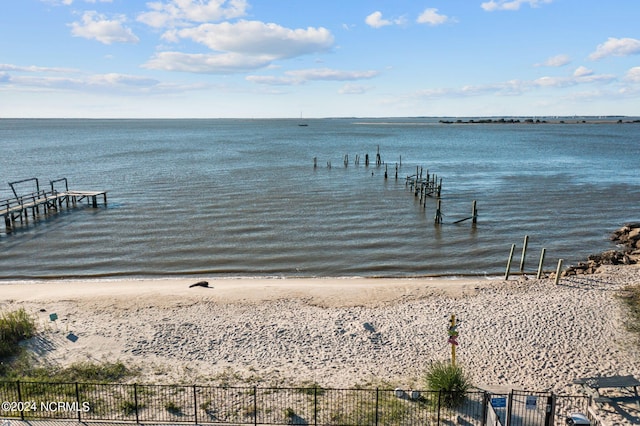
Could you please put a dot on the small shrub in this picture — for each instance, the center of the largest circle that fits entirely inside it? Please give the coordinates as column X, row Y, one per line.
column 450, row 381
column 173, row 408
column 631, row 298
column 128, row 407
column 15, row 326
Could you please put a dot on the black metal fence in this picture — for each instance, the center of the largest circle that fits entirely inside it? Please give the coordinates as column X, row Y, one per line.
column 271, row 406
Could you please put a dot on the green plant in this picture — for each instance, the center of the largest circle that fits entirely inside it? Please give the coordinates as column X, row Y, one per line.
column 15, row 326
column 450, row 381
column 289, row 413
column 128, row 407
column 631, row 298
column 23, row 367
column 173, row 408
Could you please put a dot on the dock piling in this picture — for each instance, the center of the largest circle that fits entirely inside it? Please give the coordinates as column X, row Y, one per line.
column 558, row 269
column 524, row 252
column 506, row 274
column 539, row 275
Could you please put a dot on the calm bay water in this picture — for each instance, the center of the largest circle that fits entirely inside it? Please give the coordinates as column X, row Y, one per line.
column 242, row 198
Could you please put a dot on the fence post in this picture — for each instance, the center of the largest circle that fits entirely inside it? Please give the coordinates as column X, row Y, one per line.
column 20, row 399
column 551, row 410
column 135, row 401
column 255, row 405
column 485, row 401
column 315, row 405
column 509, row 408
column 195, row 405
column 377, row 405
column 78, row 401
column 439, row 393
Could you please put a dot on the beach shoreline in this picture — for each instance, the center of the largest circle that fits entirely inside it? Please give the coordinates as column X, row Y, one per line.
column 517, row 334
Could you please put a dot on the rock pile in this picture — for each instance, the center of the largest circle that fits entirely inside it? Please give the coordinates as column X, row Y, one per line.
column 628, row 237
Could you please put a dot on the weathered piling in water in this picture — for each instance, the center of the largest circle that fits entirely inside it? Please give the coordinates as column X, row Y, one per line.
column 524, row 252
column 539, row 275
column 438, row 216
column 506, row 274
column 558, row 269
column 474, row 212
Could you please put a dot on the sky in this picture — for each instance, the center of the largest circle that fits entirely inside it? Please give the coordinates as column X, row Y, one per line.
column 313, row 59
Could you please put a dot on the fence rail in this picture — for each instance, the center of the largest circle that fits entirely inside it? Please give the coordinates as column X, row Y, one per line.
column 135, row 403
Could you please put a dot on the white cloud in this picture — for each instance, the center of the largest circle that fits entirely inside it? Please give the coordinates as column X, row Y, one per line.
column 97, row 27
column 34, row 69
column 182, row 12
column 70, row 2
column 226, row 63
column 296, row 77
column 257, row 38
column 353, row 89
column 633, row 75
column 581, row 76
column 493, row 5
column 375, row 20
column 555, row 61
column 582, row 72
column 329, row 74
column 74, row 80
column 115, row 79
column 616, row 47
column 432, row 17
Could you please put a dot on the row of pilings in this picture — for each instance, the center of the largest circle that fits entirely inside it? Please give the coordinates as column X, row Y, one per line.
column 422, row 184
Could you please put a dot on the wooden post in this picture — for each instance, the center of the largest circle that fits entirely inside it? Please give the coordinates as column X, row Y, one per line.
column 540, row 264
column 396, row 171
column 474, row 212
column 366, row 160
column 506, row 274
column 438, row 218
column 558, row 271
column 315, row 162
column 453, row 334
column 524, row 252
column 386, row 169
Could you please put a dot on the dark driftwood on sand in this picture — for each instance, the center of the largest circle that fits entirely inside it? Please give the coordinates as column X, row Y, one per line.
column 200, row 284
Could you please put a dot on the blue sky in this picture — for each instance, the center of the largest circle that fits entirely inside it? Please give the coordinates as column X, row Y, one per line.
column 284, row 58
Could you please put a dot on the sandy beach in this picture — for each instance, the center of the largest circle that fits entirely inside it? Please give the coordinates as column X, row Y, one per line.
column 518, row 334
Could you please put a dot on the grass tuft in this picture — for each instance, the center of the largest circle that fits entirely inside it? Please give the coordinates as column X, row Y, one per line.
column 631, row 299
column 15, row 326
column 450, row 380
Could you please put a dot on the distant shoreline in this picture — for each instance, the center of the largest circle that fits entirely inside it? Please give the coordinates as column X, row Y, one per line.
column 519, row 119
column 542, row 121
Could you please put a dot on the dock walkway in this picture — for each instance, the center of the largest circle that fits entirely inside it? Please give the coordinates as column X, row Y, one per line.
column 43, row 202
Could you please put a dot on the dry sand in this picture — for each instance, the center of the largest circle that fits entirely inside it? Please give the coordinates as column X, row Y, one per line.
column 519, row 334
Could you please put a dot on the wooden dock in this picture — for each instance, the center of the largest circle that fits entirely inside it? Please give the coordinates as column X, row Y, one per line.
column 42, row 202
